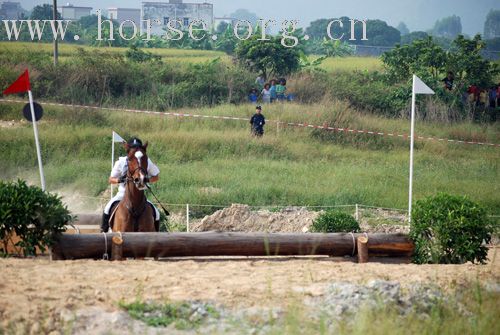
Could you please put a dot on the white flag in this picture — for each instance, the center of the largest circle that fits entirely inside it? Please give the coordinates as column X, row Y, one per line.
column 117, row 138
column 419, row 87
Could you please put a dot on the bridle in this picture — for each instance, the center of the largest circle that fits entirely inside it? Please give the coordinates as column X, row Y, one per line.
column 130, row 175
column 130, row 178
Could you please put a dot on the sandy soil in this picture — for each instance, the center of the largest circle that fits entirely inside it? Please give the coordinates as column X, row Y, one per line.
column 33, row 287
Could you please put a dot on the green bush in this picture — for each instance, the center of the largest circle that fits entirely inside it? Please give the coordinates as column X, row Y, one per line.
column 449, row 229
column 36, row 217
column 335, row 222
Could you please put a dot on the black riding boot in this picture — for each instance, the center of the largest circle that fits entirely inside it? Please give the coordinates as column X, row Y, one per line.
column 157, row 226
column 105, row 222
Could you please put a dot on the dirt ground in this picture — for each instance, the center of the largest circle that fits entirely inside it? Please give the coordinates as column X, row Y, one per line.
column 33, row 287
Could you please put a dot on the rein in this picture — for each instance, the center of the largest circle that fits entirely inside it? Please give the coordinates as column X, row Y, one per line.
column 136, row 214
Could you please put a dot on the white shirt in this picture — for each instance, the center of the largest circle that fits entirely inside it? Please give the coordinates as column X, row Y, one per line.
column 121, row 166
column 266, row 95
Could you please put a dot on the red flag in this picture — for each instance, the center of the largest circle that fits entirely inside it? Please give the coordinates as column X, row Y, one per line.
column 22, row 84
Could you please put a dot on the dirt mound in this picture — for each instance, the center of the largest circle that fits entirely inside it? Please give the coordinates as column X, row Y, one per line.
column 240, row 218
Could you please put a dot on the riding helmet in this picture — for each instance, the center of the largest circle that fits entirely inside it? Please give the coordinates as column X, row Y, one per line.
column 134, row 142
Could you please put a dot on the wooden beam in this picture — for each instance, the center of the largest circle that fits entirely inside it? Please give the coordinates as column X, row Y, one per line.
column 362, row 249
column 70, row 246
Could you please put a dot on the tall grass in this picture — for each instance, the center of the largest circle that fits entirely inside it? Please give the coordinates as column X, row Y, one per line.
column 287, row 166
column 472, row 311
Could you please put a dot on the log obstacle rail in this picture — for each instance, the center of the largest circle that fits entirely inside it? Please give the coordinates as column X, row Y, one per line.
column 159, row 245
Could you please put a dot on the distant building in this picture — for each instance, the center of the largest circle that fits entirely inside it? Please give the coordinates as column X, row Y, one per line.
column 74, row 13
column 11, row 11
column 164, row 12
column 125, row 14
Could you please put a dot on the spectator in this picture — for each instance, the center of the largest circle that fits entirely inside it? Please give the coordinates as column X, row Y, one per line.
column 260, row 81
column 448, row 81
column 266, row 94
column 498, row 95
column 253, row 96
column 257, row 122
column 492, row 95
column 273, row 91
column 280, row 91
column 483, row 98
column 473, row 92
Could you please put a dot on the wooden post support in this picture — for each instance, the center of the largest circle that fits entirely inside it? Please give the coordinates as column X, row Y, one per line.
column 117, row 248
column 363, row 249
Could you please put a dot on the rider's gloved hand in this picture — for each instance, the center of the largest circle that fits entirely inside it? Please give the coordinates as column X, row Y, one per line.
column 122, row 179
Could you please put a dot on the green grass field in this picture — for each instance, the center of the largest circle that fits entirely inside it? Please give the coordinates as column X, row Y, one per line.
column 189, row 56
column 352, row 64
column 68, row 50
column 217, row 162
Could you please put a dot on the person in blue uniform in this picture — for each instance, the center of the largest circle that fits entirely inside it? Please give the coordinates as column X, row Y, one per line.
column 257, row 122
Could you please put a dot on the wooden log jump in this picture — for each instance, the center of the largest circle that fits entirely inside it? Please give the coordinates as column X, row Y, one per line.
column 74, row 246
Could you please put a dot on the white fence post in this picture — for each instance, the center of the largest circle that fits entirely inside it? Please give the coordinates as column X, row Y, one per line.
column 187, row 218
column 356, row 215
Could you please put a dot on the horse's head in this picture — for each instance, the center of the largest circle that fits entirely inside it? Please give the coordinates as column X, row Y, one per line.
column 137, row 165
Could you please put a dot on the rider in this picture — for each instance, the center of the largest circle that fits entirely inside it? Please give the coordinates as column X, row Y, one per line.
column 119, row 175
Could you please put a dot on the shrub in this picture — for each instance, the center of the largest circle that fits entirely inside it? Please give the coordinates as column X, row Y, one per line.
column 34, row 216
column 449, row 229
column 139, row 56
column 335, row 222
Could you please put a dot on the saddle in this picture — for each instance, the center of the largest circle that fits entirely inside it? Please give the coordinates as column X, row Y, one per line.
column 114, row 207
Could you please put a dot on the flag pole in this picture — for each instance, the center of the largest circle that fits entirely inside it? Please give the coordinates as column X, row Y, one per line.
column 37, row 142
column 112, row 157
column 412, row 139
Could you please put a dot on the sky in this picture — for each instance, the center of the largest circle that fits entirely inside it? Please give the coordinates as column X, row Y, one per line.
column 417, row 14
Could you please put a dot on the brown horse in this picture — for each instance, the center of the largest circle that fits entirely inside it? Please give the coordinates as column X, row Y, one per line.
column 134, row 213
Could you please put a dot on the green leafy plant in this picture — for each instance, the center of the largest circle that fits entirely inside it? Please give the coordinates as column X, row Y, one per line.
column 335, row 222
column 183, row 315
column 34, row 216
column 450, row 229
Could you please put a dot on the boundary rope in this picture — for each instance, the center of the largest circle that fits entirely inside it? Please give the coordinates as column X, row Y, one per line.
column 291, row 124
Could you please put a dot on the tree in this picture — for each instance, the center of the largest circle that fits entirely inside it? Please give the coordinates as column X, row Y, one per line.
column 431, row 62
column 89, row 21
column 317, row 29
column 43, row 12
column 378, row 32
column 268, row 57
column 222, row 27
column 413, row 36
column 470, row 67
column 492, row 25
column 449, row 27
column 403, row 28
column 227, row 41
column 243, row 14
column 422, row 57
column 493, row 44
